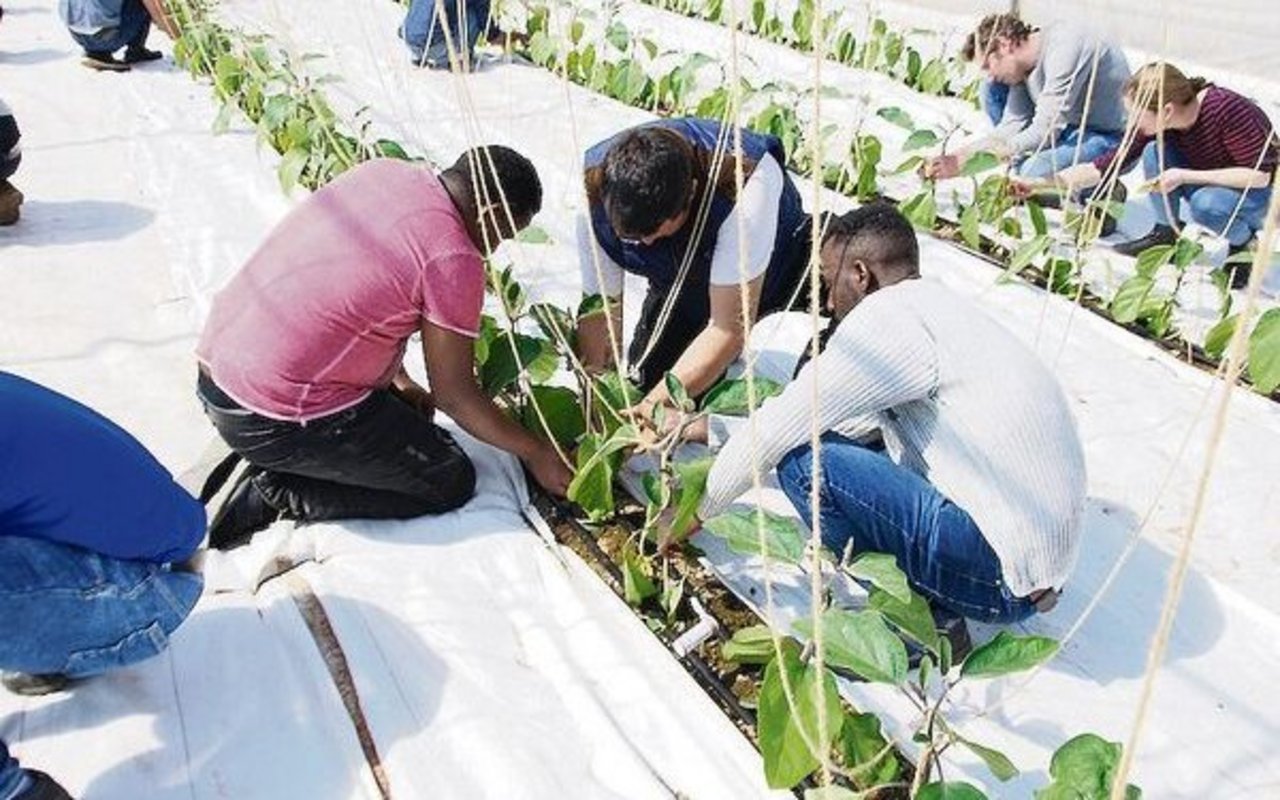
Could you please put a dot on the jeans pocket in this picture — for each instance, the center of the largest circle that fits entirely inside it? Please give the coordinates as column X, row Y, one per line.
column 136, row 646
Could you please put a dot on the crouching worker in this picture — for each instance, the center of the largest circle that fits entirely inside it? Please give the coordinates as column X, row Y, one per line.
column 434, row 30
column 663, row 204
column 301, row 358
column 979, row 487
column 102, row 27
column 93, row 533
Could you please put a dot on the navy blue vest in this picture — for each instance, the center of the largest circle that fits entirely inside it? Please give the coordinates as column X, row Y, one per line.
column 660, row 262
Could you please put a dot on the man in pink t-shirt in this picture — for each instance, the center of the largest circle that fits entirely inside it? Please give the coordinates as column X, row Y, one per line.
column 301, row 358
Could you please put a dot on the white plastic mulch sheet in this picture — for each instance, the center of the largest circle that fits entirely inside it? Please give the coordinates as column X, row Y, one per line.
column 484, row 663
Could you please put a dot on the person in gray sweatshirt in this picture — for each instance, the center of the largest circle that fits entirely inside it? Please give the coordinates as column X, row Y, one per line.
column 1054, row 95
column 978, row 487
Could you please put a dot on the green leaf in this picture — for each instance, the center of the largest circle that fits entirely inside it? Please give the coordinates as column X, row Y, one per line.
column 1130, row 299
column 919, row 139
column 862, row 644
column 291, row 168
column 969, row 230
column 863, row 747
column 897, row 116
column 554, row 322
column 618, row 36
column 787, row 759
column 562, row 410
column 783, row 537
column 1264, row 352
column 1039, row 223
column 978, row 162
column 729, row 396
column 950, row 790
column 910, row 165
column 921, row 210
column 614, row 395
column 1152, row 259
column 637, row 586
column 676, row 390
column 693, row 482
column 1084, row 769
column 881, row 570
column 502, row 368
column 997, row 762
column 1028, row 252
column 753, row 645
column 1008, row 653
column 533, row 235
column 591, row 304
column 592, row 484
column 1219, row 336
column 672, row 594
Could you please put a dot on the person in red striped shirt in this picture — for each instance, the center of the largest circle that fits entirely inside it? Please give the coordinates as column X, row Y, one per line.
column 1208, row 154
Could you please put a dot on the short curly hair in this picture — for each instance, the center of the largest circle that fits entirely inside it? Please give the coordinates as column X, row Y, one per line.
column 994, row 27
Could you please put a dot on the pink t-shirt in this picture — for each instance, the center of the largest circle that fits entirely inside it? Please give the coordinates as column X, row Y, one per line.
column 321, row 314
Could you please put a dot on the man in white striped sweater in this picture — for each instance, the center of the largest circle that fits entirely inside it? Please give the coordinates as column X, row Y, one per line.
column 979, row 487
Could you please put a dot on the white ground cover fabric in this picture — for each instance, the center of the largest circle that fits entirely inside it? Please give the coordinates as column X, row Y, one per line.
column 487, row 664
column 464, row 633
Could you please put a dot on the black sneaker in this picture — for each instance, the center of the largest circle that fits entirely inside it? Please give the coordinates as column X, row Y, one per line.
column 137, row 54
column 1160, row 235
column 1238, row 271
column 42, row 788
column 33, row 685
column 104, row 62
column 243, row 513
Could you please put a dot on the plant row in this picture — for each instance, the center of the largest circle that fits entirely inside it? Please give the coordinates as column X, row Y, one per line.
column 605, row 56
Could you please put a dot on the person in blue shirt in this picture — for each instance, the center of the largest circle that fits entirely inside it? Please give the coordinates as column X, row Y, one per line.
column 433, row 28
column 102, row 27
column 663, row 203
column 96, row 541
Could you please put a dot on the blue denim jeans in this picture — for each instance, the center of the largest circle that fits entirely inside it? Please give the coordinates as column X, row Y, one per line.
column 994, row 96
column 64, row 609
column 12, row 777
column 1053, row 159
column 426, row 39
column 1209, row 206
column 877, row 506
column 135, row 25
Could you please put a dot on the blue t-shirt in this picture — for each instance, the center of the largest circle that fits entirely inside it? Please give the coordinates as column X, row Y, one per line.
column 72, row 476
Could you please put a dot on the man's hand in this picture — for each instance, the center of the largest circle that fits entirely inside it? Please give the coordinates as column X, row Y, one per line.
column 549, row 471
column 940, row 167
column 419, row 398
column 1022, row 188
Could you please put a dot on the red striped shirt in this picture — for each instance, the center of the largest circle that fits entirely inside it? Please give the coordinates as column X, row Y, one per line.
column 1230, row 131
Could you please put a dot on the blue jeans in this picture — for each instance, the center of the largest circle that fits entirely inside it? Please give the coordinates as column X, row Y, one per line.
column 877, row 506
column 12, row 776
column 1053, row 159
column 994, row 96
column 426, row 37
column 135, row 25
column 1209, row 206
column 64, row 609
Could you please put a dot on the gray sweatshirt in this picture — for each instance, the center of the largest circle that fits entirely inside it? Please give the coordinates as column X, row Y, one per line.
column 1053, row 96
column 959, row 401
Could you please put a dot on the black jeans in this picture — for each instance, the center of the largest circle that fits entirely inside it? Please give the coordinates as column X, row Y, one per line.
column 380, row 459
column 690, row 313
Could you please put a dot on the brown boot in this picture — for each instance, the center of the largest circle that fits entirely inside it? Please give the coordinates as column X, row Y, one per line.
column 10, row 200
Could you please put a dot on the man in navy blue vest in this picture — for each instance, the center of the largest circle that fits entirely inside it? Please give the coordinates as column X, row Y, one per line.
column 663, row 204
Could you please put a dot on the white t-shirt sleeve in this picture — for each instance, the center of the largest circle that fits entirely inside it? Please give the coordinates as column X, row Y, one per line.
column 609, row 279
column 757, row 207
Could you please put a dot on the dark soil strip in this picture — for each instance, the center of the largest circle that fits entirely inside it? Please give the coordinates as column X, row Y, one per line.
column 317, row 619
